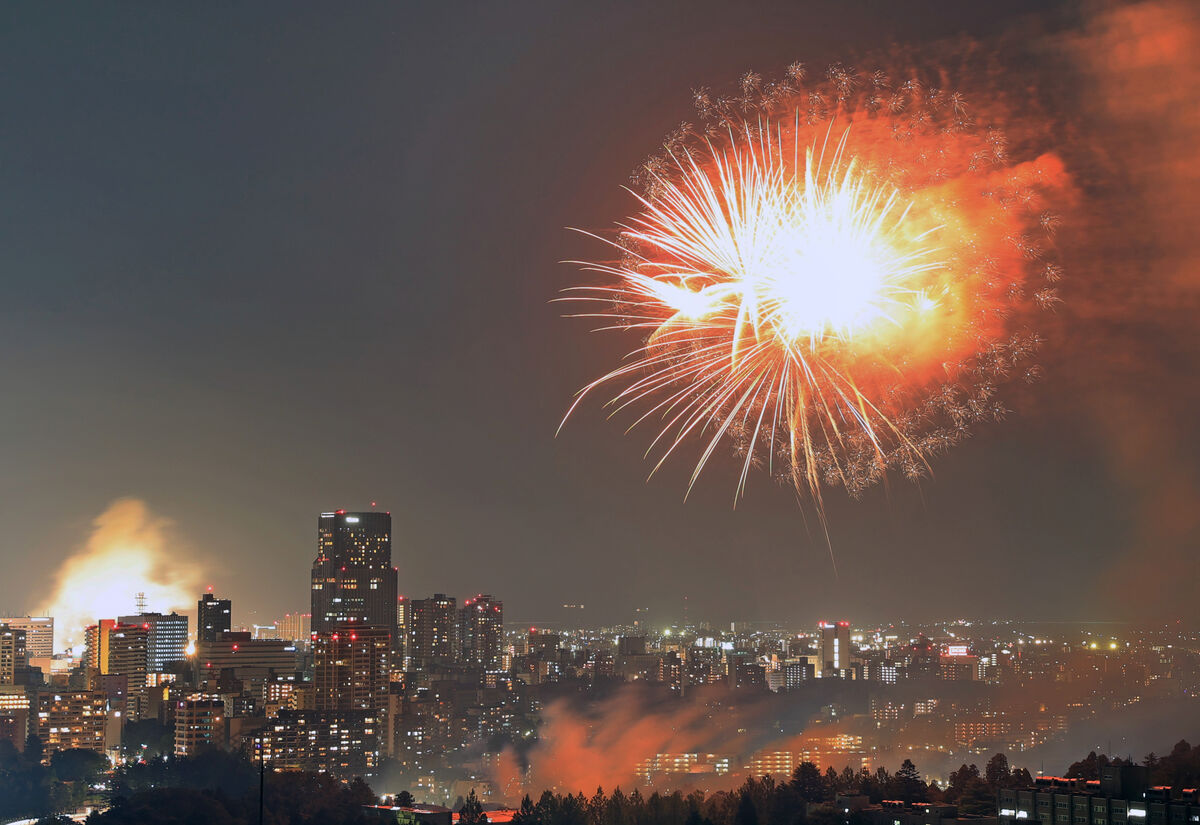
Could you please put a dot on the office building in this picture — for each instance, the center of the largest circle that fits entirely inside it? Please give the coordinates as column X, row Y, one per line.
column 835, row 648
column 39, row 634
column 1122, row 796
column 294, row 627
column 481, row 628
column 96, row 645
column 166, row 638
column 127, row 658
column 213, row 617
column 351, row 668
column 403, row 627
column 72, row 719
column 353, row 580
column 13, row 658
column 343, row 743
column 238, row 650
column 199, row 723
column 433, row 631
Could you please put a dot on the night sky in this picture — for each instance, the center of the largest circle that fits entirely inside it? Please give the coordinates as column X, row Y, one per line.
column 263, row 261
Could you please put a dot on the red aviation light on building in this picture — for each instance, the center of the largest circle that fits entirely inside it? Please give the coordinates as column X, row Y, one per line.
column 843, row 624
column 340, row 512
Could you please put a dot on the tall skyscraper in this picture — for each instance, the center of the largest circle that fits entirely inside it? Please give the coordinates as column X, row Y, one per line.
column 213, row 617
column 166, row 637
column 96, row 637
column 39, row 634
column 13, row 657
column 127, row 658
column 433, row 631
column 350, row 668
column 835, row 648
column 400, row 640
column 481, row 627
column 353, row 580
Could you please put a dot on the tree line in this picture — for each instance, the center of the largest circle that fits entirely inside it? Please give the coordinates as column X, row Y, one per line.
column 804, row 798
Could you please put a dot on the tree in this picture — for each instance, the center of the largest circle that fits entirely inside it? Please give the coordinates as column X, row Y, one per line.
column 471, row 813
column 405, row 800
column 1088, row 767
column 831, row 783
column 977, row 799
column 526, row 814
column 959, row 780
column 746, row 812
column 34, row 750
column 77, row 765
column 997, row 773
column 908, row 783
column 807, row 782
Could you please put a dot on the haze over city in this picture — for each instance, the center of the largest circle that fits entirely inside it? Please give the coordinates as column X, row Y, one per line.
column 433, row 412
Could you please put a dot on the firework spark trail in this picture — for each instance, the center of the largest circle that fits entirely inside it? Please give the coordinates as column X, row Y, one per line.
column 831, row 307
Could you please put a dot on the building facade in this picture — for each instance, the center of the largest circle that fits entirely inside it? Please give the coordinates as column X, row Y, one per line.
column 353, row 580
column 433, row 631
column 39, row 634
column 199, row 723
column 213, row 617
column 166, row 638
column 835, row 648
column 481, row 628
column 14, row 660
column 351, row 668
column 73, row 719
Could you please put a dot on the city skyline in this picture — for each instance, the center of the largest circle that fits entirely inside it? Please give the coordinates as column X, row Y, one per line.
column 210, row 313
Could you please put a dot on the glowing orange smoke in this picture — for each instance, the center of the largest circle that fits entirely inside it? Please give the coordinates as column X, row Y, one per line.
column 127, row 553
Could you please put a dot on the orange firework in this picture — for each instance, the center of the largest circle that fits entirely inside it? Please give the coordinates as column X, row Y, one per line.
column 829, row 287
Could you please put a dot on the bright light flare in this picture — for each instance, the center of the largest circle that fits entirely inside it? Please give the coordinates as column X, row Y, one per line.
column 765, row 278
column 832, row 307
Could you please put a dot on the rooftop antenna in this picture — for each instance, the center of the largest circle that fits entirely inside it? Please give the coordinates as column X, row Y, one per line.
column 141, row 603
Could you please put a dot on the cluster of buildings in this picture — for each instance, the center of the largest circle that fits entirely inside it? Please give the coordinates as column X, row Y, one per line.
column 440, row 688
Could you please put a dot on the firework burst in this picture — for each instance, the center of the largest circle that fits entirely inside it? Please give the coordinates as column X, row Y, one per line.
column 830, row 279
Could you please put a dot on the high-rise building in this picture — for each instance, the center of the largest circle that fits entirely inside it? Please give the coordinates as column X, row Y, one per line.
column 166, row 638
column 39, row 634
column 96, row 638
column 433, row 631
column 835, row 648
column 294, row 627
column 127, row 658
column 351, row 668
column 199, row 723
column 403, row 623
column 213, row 617
column 481, row 628
column 13, row 657
column 353, row 580
column 74, row 719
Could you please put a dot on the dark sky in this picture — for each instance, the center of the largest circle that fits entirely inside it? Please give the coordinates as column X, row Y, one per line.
column 265, row 260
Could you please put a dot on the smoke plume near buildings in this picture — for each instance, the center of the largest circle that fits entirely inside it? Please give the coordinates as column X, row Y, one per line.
column 128, row 552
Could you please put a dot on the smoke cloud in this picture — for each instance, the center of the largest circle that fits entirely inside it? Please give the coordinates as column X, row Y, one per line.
column 1137, row 351
column 128, row 552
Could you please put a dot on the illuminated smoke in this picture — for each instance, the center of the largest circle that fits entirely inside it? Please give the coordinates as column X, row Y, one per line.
column 128, row 552
column 833, row 312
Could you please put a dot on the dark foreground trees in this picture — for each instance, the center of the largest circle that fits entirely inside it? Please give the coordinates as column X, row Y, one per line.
column 218, row 788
